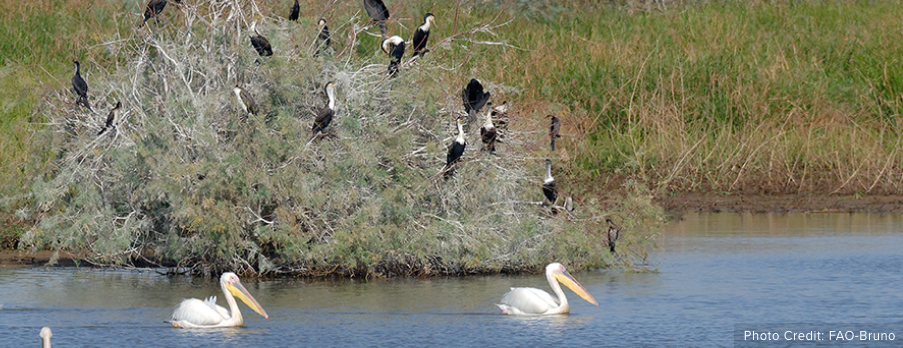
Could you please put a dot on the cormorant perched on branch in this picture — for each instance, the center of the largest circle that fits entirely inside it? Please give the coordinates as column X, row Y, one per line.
column 474, row 98
column 394, row 47
column 548, row 185
column 614, row 232
column 260, row 43
column 296, row 10
column 455, row 150
column 80, row 87
column 554, row 128
column 422, row 34
column 325, row 117
column 500, row 110
column 377, row 10
column 246, row 101
column 110, row 118
column 153, row 9
column 323, row 45
column 488, row 132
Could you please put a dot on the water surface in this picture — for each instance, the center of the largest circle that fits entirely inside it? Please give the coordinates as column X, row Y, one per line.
column 715, row 270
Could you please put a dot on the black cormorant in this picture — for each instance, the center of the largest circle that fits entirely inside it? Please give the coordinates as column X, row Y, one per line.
column 455, row 150
column 296, row 10
column 548, row 185
column 153, row 9
column 377, row 11
column 394, row 47
column 488, row 132
column 474, row 98
column 554, row 128
column 110, row 118
column 80, row 87
column 246, row 101
column 324, row 39
column 260, row 43
column 422, row 34
column 614, row 232
column 325, row 116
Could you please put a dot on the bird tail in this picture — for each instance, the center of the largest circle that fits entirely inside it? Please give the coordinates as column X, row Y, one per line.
column 553, row 144
column 382, row 28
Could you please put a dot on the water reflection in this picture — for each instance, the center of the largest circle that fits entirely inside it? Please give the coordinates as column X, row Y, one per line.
column 715, row 270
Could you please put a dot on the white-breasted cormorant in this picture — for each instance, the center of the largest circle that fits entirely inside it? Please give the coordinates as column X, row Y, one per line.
column 422, row 34
column 614, row 232
column 548, row 185
column 246, row 101
column 474, row 99
column 488, row 132
column 554, row 129
column 394, row 47
column 377, row 11
column 455, row 150
column 323, row 37
column 110, row 118
column 260, row 43
column 325, row 116
column 80, row 87
column 296, row 10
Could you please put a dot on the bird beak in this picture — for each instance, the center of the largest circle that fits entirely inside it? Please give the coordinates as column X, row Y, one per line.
column 239, row 291
column 565, row 278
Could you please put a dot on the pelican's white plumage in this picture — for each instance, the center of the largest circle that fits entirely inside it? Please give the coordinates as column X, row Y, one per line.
column 195, row 313
column 533, row 301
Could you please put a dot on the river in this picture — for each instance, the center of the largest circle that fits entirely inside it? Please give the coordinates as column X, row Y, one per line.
column 714, row 271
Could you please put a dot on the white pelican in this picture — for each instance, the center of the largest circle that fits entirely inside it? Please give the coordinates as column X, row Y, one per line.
column 532, row 301
column 45, row 337
column 194, row 313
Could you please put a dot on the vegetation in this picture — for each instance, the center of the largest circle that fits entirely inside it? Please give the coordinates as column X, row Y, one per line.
column 719, row 97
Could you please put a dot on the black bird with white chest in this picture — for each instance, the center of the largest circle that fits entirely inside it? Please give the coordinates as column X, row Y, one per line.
column 110, row 118
column 488, row 132
column 323, row 37
column 394, row 47
column 549, row 189
column 455, row 151
column 474, row 99
column 80, row 87
column 260, row 43
column 326, row 114
column 422, row 34
column 246, row 101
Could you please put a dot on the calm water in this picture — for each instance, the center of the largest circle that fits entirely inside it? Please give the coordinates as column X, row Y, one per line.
column 715, row 271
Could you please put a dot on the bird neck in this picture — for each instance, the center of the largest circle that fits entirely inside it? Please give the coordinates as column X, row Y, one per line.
column 460, row 138
column 488, row 123
column 78, row 68
column 331, row 94
column 234, row 312
column 549, row 177
column 426, row 26
column 556, row 288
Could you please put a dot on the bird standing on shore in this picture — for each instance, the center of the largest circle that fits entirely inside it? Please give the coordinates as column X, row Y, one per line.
column 110, row 118
column 549, row 188
column 296, row 10
column 323, row 37
column 554, row 129
column 614, row 232
column 377, row 11
column 246, row 101
column 455, row 151
column 474, row 99
column 80, row 87
column 260, row 43
column 325, row 116
column 488, row 132
column 422, row 34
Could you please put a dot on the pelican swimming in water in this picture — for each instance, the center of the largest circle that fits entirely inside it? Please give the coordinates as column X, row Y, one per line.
column 45, row 337
column 194, row 313
column 532, row 301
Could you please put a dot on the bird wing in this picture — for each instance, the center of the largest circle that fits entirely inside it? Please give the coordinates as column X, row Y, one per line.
column 249, row 101
column 323, row 119
column 527, row 301
column 199, row 313
column 420, row 38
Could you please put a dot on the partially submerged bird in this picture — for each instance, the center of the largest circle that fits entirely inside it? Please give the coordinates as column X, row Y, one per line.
column 246, row 101
column 194, row 313
column 323, row 37
column 260, row 43
column 45, row 337
column 548, row 185
column 296, row 10
column 377, row 11
column 533, row 301
column 80, row 87
column 474, row 99
column 110, row 118
column 325, row 116
column 554, row 129
column 455, row 151
column 394, row 47
column 614, row 232
column 422, row 34
column 488, row 132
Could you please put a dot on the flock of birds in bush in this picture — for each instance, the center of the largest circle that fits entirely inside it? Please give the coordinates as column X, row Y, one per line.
column 473, row 96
